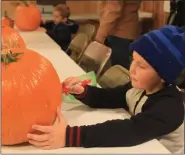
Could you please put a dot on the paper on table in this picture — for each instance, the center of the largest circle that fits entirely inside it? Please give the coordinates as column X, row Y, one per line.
column 88, row 76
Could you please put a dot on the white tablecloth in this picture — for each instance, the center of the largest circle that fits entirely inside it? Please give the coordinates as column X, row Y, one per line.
column 77, row 114
column 38, row 41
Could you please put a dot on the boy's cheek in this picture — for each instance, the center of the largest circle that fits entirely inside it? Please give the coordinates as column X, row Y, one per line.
column 135, row 84
column 139, row 84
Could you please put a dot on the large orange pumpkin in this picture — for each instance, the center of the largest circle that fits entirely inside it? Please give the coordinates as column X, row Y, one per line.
column 27, row 17
column 7, row 21
column 31, row 93
column 11, row 38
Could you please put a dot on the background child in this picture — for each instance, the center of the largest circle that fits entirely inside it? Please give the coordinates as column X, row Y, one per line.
column 154, row 102
column 72, row 24
column 57, row 29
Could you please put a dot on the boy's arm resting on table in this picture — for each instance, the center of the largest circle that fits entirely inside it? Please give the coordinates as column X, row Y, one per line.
column 105, row 98
column 47, row 25
column 153, row 123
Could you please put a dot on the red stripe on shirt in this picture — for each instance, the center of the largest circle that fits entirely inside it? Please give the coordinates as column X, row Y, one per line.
column 78, row 137
column 71, row 137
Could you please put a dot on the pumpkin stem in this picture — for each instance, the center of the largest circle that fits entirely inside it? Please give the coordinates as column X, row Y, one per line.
column 9, row 57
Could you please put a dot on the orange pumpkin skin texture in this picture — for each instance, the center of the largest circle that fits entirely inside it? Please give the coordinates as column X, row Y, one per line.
column 27, row 17
column 11, row 38
column 31, row 93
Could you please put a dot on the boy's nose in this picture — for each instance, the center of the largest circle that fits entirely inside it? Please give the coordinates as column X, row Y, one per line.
column 132, row 69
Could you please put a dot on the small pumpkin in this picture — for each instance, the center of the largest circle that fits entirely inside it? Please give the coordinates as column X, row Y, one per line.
column 10, row 38
column 27, row 17
column 7, row 21
column 31, row 93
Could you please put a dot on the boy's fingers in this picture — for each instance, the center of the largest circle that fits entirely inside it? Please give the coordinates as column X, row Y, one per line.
column 39, row 138
column 45, row 129
column 67, row 80
column 39, row 144
column 73, row 82
column 77, row 89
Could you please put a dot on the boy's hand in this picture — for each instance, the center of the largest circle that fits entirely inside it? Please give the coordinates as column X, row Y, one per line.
column 53, row 137
column 72, row 84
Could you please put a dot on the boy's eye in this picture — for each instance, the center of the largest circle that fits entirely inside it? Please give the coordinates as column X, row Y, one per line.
column 142, row 67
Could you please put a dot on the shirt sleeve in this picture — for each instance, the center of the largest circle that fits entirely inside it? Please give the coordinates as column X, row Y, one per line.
column 105, row 98
column 48, row 25
column 150, row 124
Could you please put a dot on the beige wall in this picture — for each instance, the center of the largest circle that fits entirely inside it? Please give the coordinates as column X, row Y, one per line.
column 7, row 6
column 157, row 8
column 86, row 7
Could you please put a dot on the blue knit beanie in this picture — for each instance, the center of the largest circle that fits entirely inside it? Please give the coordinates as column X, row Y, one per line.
column 164, row 50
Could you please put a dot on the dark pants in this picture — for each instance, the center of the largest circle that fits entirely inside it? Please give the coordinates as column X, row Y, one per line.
column 120, row 51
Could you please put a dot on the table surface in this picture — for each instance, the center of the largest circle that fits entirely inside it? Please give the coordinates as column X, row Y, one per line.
column 77, row 114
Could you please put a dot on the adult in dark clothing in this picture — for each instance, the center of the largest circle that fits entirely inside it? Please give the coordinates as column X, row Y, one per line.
column 177, row 13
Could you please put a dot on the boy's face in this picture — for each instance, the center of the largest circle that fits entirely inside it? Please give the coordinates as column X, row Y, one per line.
column 143, row 76
column 57, row 18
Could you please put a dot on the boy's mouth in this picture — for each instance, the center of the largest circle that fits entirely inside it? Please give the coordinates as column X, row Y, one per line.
column 133, row 79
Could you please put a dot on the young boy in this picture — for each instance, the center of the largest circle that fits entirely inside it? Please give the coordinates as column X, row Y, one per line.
column 57, row 29
column 152, row 99
column 72, row 25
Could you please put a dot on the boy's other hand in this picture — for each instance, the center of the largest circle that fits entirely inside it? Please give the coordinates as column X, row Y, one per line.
column 53, row 137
